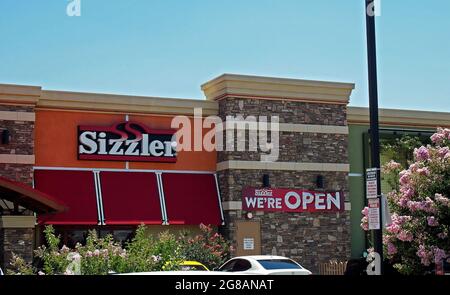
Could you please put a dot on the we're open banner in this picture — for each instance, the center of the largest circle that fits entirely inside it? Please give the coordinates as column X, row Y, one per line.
column 288, row 200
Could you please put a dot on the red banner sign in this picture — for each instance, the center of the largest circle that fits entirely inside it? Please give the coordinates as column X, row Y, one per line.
column 288, row 200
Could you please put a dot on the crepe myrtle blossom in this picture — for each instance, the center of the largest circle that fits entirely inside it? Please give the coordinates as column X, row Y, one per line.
column 426, row 206
column 439, row 255
column 434, row 254
column 405, row 177
column 391, row 166
column 407, row 191
column 424, row 255
column 423, row 171
column 365, row 220
column 413, row 167
column 391, row 249
column 440, row 136
column 440, row 199
column 405, row 236
column 421, row 154
column 444, row 152
column 432, row 221
column 418, row 236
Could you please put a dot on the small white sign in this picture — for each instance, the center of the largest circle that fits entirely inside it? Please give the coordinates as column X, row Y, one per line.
column 371, row 183
column 249, row 243
column 374, row 213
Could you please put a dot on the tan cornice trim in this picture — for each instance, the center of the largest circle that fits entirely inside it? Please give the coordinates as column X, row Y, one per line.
column 114, row 113
column 256, row 87
column 17, row 159
column 12, row 221
column 19, row 94
column 123, row 103
column 231, row 205
column 405, row 118
column 17, row 116
column 276, row 80
column 282, row 166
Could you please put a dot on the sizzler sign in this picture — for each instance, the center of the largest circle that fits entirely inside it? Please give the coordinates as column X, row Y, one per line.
column 126, row 141
column 288, row 200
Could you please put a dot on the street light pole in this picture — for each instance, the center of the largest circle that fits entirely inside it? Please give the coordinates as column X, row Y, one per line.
column 373, row 110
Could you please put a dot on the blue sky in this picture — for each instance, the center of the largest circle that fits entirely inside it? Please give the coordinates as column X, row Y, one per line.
column 170, row 47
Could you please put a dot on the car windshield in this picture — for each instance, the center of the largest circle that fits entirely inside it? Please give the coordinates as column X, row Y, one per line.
column 279, row 264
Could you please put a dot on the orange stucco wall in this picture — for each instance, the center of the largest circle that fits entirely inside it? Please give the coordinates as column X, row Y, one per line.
column 56, row 141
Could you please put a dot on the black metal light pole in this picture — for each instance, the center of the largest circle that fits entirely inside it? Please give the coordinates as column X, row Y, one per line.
column 373, row 109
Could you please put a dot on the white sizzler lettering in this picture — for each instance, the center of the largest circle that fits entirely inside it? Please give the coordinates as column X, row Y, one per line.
column 156, row 148
column 168, row 149
column 116, row 148
column 144, row 145
column 107, row 143
column 132, row 150
column 102, row 144
column 87, row 139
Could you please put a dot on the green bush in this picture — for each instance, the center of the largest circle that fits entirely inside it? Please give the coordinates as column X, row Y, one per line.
column 100, row 256
column 209, row 248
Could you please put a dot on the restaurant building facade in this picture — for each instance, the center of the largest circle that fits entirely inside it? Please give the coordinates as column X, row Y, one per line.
column 110, row 162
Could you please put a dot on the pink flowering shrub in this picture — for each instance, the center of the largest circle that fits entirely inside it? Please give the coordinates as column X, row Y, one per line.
column 208, row 247
column 418, row 235
column 100, row 256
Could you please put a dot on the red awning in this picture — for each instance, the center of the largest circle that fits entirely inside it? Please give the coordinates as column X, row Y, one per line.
column 28, row 197
column 130, row 198
column 76, row 189
column 126, row 197
column 191, row 199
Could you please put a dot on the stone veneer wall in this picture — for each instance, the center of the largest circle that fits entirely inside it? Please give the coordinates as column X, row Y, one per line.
column 19, row 241
column 22, row 143
column 310, row 238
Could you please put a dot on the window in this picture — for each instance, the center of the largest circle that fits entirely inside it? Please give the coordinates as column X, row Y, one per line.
column 242, row 265
column 228, row 266
column 70, row 236
column 279, row 264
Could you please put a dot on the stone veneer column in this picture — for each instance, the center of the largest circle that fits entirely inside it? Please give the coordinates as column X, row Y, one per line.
column 313, row 141
column 17, row 115
column 16, row 237
column 17, row 104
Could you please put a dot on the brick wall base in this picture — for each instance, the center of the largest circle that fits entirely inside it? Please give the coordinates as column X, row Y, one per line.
column 18, row 241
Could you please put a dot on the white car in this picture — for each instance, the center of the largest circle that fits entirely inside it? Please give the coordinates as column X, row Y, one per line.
column 263, row 265
column 177, row 273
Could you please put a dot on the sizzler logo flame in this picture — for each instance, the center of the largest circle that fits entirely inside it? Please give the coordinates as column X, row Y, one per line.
column 126, row 141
